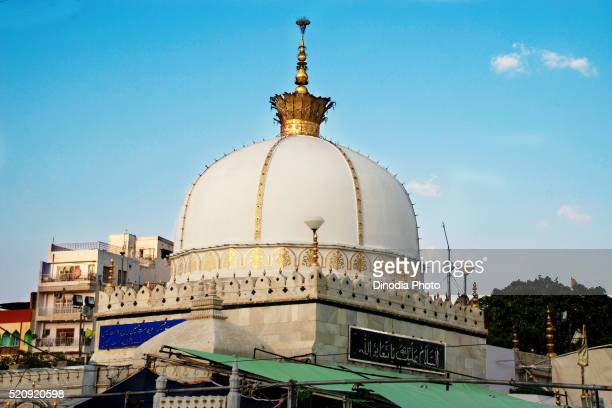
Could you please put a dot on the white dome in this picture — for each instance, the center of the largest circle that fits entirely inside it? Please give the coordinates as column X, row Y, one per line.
column 300, row 177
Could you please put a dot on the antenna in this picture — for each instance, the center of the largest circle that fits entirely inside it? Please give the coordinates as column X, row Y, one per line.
column 448, row 277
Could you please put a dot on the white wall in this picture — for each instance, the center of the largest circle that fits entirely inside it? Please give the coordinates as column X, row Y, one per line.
column 500, row 366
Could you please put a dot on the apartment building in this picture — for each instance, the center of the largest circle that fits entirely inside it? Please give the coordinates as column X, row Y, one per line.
column 71, row 276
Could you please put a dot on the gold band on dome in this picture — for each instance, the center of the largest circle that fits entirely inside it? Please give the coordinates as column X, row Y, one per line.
column 299, row 127
column 357, row 193
column 261, row 188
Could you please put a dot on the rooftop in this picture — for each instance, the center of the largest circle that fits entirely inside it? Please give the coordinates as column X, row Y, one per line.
column 86, row 246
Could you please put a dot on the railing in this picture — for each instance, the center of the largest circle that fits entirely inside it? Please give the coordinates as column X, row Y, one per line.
column 86, row 246
column 59, row 308
column 56, row 342
column 68, row 277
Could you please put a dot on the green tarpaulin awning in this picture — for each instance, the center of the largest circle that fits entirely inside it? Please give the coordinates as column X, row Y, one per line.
column 403, row 394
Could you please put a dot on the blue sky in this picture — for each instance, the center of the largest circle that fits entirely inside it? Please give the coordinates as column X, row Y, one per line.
column 495, row 114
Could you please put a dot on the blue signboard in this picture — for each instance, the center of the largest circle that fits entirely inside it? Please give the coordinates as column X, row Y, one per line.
column 133, row 334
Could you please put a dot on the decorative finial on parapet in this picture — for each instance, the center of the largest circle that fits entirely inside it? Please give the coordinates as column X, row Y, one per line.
column 111, row 273
column 300, row 113
column 207, row 304
column 474, row 300
column 212, row 288
column 550, row 338
column 515, row 341
column 557, row 397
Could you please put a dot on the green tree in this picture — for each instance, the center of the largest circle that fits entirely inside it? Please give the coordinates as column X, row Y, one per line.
column 507, row 311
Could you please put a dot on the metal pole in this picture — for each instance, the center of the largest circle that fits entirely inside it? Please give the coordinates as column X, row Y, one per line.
column 465, row 295
column 80, row 332
column 292, row 395
column 448, row 277
column 126, row 400
column 583, row 395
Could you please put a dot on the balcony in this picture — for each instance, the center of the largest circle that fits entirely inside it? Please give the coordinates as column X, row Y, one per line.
column 59, row 308
column 61, row 311
column 68, row 277
column 56, row 342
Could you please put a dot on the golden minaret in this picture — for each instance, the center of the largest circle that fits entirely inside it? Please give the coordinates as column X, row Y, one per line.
column 550, row 338
column 515, row 341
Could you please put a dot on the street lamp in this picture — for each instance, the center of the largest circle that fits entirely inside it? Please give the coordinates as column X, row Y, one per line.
column 314, row 224
column 85, row 307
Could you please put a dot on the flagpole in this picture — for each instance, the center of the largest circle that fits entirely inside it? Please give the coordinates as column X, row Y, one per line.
column 582, row 366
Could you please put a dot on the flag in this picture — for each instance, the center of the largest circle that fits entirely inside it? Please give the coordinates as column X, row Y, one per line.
column 580, row 339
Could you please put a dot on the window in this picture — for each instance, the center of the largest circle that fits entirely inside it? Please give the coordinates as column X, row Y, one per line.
column 105, row 274
column 64, row 337
column 6, row 340
column 63, row 273
column 122, row 278
column 27, row 338
column 91, row 271
column 15, row 338
column 67, row 273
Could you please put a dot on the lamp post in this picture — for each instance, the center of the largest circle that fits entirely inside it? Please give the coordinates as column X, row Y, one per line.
column 314, row 224
column 85, row 306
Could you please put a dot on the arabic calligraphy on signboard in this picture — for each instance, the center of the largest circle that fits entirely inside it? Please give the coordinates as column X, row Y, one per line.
column 133, row 334
column 393, row 350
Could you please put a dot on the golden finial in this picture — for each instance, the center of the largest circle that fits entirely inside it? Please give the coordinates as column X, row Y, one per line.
column 300, row 113
column 111, row 273
column 515, row 341
column 550, row 344
column 474, row 301
column 301, row 77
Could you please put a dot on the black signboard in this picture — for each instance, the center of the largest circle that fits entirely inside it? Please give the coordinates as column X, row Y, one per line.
column 377, row 347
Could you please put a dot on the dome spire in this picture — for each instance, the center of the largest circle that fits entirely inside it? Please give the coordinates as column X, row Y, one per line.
column 301, row 76
column 300, row 113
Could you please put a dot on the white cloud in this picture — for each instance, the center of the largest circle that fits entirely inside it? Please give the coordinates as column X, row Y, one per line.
column 574, row 215
column 554, row 60
column 425, row 188
column 512, row 62
column 518, row 61
column 505, row 63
